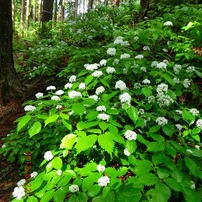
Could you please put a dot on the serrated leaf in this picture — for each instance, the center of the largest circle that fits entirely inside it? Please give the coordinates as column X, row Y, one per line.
column 106, row 142
column 173, row 184
column 148, row 179
column 187, row 116
column 51, row 119
column 162, row 173
column 143, row 167
column 68, row 141
column 32, row 199
column 57, row 163
column 131, row 146
column 94, row 190
column 155, row 146
column 64, row 116
column 82, row 197
column 103, row 125
column 59, row 195
column 146, row 91
column 35, row 184
column 88, row 182
column 107, row 97
column 128, row 194
column 88, row 79
column 154, row 129
column 78, row 108
column 193, row 167
column 88, row 102
column 86, row 125
column 67, row 125
column 168, row 130
column 35, row 129
column 169, row 79
column 132, row 113
column 85, row 143
column 73, row 198
column 22, row 121
column 190, row 195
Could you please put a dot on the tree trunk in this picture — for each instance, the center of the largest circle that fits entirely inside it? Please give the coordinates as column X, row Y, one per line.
column 62, row 10
column 9, row 84
column 39, row 10
column 55, row 11
column 13, row 14
column 22, row 17
column 144, row 6
column 90, row 4
column 27, row 14
column 76, row 4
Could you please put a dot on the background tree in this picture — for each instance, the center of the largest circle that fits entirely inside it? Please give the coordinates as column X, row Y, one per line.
column 9, row 84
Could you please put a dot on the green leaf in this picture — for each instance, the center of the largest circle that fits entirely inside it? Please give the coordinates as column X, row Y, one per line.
column 105, row 83
column 128, row 194
column 82, row 197
column 78, row 108
column 132, row 113
column 191, row 196
column 85, row 143
column 168, row 130
column 88, row 102
column 148, row 179
column 193, row 167
column 95, row 189
column 96, row 131
column 35, row 129
column 57, row 163
column 162, row 173
column 88, row 182
column 68, row 141
column 106, row 142
column 51, row 119
column 67, row 125
column 107, row 97
column 169, row 79
column 187, row 116
column 86, row 125
column 73, row 198
column 131, row 146
column 59, row 195
column 146, row 91
column 154, row 129
column 35, row 184
column 22, row 121
column 103, row 125
column 155, row 146
column 173, row 184
column 64, row 116
column 143, row 167
column 32, row 199
column 88, row 79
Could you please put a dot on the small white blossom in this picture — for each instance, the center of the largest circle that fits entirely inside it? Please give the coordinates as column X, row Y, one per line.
column 176, row 80
column 197, row 147
column 125, row 98
column 143, row 69
column 118, row 40
column 164, row 50
column 92, row 67
column 68, row 85
column 103, row 117
column 59, row 92
column 178, row 111
column 190, row 69
column 3, row 146
column 39, row 95
column 72, row 79
column 59, row 172
column 74, row 94
column 82, row 86
column 130, row 135
column 154, row 64
column 161, row 121
column 33, row 174
column 18, row 193
column 29, row 108
column 120, row 85
column 189, row 151
column 166, row 61
column 126, row 152
column 99, row 90
column 21, row 182
column 146, row 81
column 192, row 186
column 161, row 65
column 146, row 48
column 179, row 127
column 55, row 97
column 100, row 168
column 71, row 112
column 51, row 88
column 124, row 56
column 177, row 68
column 162, row 88
column 94, row 97
column 141, row 111
column 139, row 57
column 103, row 62
column 110, row 70
column 151, row 99
column 194, row 111
column 103, row 181
column 111, row 51
column 48, row 156
column 186, row 83
column 74, row 188
column 168, row 23
column 101, row 108
column 199, row 123
column 58, row 106
column 136, row 38
column 164, row 100
column 137, row 85
column 125, row 71
column 97, row 73
column 116, row 61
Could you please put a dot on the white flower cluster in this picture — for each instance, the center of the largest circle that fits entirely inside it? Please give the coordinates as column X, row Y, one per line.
column 48, row 156
column 100, row 168
column 119, row 40
column 137, row 85
column 186, row 83
column 126, row 152
column 179, row 127
column 19, row 192
column 99, row 90
column 68, row 86
column 21, row 182
column 125, row 56
column 59, row 92
column 103, row 62
column 33, row 174
column 104, row 117
column 176, row 80
column 125, row 98
column 194, row 111
column 91, row 67
column 82, row 86
column 97, row 73
column 100, row 108
column 110, row 70
column 59, row 172
column 164, row 100
column 190, row 69
column 162, row 88
column 130, row 135
column 29, row 108
column 146, row 48
column 51, row 88
column 161, row 65
column 94, row 97
column 146, row 81
column 139, row 57
column 72, row 79
column 55, row 97
column 177, row 68
column 168, row 23
column 199, row 123
column 161, row 121
column 74, row 188
column 111, row 51
column 120, row 85
column 74, row 94
column 103, row 181
column 39, row 95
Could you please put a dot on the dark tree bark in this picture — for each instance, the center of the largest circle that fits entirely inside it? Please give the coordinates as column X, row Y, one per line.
column 9, row 84
column 144, row 6
column 47, row 15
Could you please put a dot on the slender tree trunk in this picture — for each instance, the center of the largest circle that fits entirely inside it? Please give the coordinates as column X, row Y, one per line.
column 62, row 10
column 76, row 4
column 22, row 17
column 90, row 4
column 27, row 14
column 9, row 84
column 13, row 14
column 55, row 11
column 39, row 10
column 117, row 3
column 144, row 6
